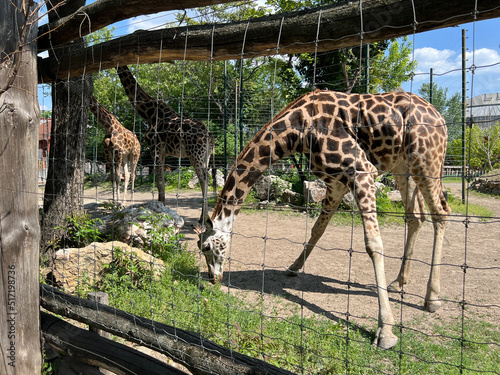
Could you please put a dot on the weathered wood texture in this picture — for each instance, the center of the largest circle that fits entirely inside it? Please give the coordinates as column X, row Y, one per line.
column 19, row 227
column 339, row 26
column 102, row 13
column 198, row 355
column 92, row 349
column 63, row 194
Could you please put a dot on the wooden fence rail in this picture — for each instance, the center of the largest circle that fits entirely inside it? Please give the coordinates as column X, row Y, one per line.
column 91, row 349
column 197, row 354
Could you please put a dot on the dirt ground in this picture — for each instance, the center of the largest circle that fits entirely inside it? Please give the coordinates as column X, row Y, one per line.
column 266, row 242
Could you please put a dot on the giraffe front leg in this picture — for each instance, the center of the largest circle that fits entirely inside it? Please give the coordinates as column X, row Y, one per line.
column 158, row 153
column 332, row 201
column 384, row 337
column 365, row 193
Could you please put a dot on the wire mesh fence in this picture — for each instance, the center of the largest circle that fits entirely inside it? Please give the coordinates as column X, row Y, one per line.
column 323, row 317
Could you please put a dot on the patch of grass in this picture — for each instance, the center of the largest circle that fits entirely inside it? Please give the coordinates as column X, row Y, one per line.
column 312, row 345
column 306, row 345
column 471, row 209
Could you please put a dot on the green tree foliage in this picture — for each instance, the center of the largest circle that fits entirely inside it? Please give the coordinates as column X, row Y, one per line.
column 482, row 147
column 383, row 66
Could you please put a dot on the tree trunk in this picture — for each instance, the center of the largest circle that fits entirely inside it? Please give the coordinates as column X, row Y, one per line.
column 19, row 227
column 65, row 175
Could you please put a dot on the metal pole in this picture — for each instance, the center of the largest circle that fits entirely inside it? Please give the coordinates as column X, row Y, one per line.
column 463, row 114
column 225, row 121
column 367, row 68
column 431, row 88
column 240, row 115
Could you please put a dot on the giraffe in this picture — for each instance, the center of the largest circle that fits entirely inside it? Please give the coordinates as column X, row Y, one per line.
column 170, row 134
column 121, row 148
column 349, row 139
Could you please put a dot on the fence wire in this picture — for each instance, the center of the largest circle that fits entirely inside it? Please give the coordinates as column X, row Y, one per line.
column 324, row 319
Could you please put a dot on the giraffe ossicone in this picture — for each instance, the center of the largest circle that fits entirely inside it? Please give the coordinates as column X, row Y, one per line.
column 122, row 149
column 349, row 139
column 170, row 134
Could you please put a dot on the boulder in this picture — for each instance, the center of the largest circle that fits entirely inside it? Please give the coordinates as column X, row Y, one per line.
column 195, row 182
column 129, row 224
column 314, row 191
column 270, row 187
column 486, row 186
column 75, row 268
column 289, row 196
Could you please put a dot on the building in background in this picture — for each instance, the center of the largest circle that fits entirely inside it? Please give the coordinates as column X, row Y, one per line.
column 485, row 110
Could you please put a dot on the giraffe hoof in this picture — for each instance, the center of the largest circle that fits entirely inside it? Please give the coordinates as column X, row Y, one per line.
column 384, row 341
column 394, row 287
column 432, row 306
column 290, row 272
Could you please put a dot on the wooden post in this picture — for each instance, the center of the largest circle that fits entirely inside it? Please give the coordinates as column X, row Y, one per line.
column 103, row 298
column 20, row 351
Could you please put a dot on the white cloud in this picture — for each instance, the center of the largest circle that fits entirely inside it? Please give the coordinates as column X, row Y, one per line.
column 440, row 61
column 447, row 67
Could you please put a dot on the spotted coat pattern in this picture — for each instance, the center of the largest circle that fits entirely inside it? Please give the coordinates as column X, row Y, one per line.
column 170, row 134
column 121, row 148
column 349, row 139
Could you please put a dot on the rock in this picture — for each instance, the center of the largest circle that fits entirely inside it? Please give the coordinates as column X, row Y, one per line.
column 129, row 224
column 486, row 186
column 314, row 191
column 270, row 187
column 348, row 200
column 195, row 182
column 289, row 196
column 394, row 196
column 75, row 268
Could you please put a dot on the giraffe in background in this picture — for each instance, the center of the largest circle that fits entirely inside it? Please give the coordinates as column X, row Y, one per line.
column 349, row 139
column 170, row 134
column 121, row 148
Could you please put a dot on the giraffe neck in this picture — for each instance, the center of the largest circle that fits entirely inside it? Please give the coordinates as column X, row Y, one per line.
column 102, row 115
column 149, row 109
column 280, row 138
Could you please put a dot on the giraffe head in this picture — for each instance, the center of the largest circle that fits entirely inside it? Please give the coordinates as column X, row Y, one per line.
column 213, row 242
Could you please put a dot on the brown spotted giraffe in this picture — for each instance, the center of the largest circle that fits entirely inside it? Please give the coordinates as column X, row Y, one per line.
column 121, row 148
column 349, row 139
column 170, row 134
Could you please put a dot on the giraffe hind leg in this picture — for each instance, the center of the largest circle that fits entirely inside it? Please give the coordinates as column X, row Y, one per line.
column 432, row 191
column 127, row 178
column 415, row 216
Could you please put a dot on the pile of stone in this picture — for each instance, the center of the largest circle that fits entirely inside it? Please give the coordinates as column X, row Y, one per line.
column 130, row 224
column 486, row 186
column 80, row 268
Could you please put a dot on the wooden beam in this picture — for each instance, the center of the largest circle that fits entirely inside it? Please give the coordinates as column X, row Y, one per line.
column 102, row 13
column 197, row 354
column 89, row 348
column 19, row 216
column 295, row 32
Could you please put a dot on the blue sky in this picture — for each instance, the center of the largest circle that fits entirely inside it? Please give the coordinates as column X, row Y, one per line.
column 438, row 49
column 442, row 51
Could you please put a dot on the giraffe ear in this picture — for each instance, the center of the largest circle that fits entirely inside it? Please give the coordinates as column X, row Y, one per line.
column 199, row 229
column 208, row 222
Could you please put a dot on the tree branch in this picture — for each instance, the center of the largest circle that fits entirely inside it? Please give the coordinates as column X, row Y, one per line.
column 106, row 12
column 297, row 31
